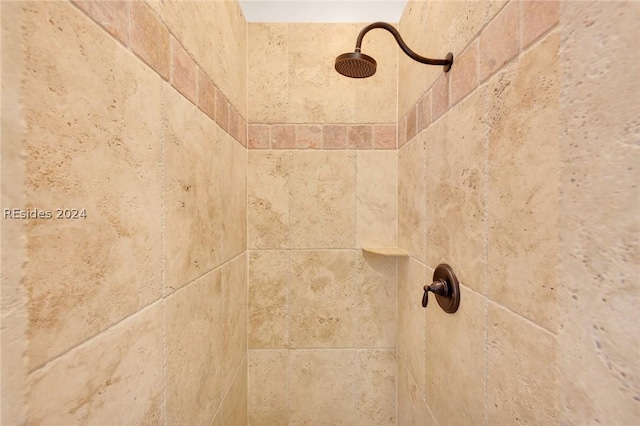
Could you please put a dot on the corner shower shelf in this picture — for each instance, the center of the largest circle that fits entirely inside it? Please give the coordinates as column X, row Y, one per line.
column 386, row 251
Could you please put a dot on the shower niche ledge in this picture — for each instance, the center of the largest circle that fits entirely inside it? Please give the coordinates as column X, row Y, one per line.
column 386, row 251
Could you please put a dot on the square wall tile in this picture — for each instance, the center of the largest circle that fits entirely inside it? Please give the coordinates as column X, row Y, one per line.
column 376, row 387
column 268, row 199
column 376, row 203
column 322, row 199
column 193, row 203
column 80, row 152
column 322, row 389
column 521, row 378
column 376, row 307
column 234, row 316
column 322, row 299
column 194, row 351
column 119, row 371
column 523, row 195
column 455, row 191
column 269, row 299
column 268, row 396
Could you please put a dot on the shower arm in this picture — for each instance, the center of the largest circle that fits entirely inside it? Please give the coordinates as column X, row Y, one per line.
column 413, row 55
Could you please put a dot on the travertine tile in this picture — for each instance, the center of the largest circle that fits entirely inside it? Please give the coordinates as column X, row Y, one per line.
column 521, row 379
column 183, row 71
column 268, row 391
column 360, row 137
column 283, row 136
column 499, row 40
column 234, row 194
column 234, row 317
column 412, row 277
column 234, row 123
column 194, row 351
column 206, row 94
column 455, row 191
column 456, row 343
column 412, row 408
column 523, row 185
column 119, row 371
column 234, row 405
column 222, row 110
column 411, row 197
column 322, row 209
column 376, row 193
column 268, row 299
column 112, row 15
column 537, row 18
column 268, row 186
column 440, row 96
column 412, row 123
column 334, row 136
column 385, row 136
column 322, row 389
column 376, row 307
column 91, row 141
column 259, row 136
column 376, row 386
column 322, row 299
column 464, row 75
column 193, row 204
column 309, row 136
column 402, row 132
column 424, row 112
column 149, row 38
column 268, row 73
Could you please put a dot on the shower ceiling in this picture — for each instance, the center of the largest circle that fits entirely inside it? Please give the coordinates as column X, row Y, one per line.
column 322, row 11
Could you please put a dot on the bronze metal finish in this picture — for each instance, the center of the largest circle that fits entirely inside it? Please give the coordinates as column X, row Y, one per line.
column 446, row 288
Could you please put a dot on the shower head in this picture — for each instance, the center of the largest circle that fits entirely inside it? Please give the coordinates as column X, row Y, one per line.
column 355, row 65
column 359, row 65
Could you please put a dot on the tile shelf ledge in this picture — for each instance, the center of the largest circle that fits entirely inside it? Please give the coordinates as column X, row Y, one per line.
column 386, row 251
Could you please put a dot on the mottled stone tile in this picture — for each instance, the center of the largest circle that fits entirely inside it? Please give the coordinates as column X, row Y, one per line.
column 455, row 191
column 424, row 112
column 206, row 94
column 103, row 155
column 412, row 276
column 193, row 330
column 412, row 122
column 268, row 391
column 456, row 343
column 385, row 136
column 309, row 136
column 376, row 307
column 268, row 176
column 499, row 40
column 521, row 380
column 322, row 193
column 322, row 389
column 376, row 199
column 259, row 136
column 183, row 71
column 113, row 16
column 268, row 299
column 222, row 110
column 523, row 185
column 149, row 38
column 440, row 96
column 119, row 371
column 234, row 405
column 537, row 18
column 334, row 136
column 412, row 409
column 193, row 203
column 322, row 299
column 464, row 76
column 360, row 137
column 376, row 386
column 234, row 193
column 234, row 123
column 234, row 317
column 283, row 136
column 412, row 180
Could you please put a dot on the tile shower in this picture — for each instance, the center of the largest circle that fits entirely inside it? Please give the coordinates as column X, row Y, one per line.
column 231, row 179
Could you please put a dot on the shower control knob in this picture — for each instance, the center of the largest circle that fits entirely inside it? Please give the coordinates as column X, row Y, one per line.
column 446, row 287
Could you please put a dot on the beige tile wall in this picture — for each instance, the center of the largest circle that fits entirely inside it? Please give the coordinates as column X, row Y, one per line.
column 139, row 309
column 519, row 199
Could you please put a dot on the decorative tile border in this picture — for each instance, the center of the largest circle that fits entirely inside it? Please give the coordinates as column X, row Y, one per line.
column 138, row 29
column 516, row 27
column 322, row 136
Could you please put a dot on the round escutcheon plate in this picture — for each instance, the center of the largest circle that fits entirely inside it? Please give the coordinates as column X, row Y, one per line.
column 451, row 301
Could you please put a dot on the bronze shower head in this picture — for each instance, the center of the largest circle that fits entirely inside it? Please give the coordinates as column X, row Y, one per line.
column 359, row 65
column 356, row 65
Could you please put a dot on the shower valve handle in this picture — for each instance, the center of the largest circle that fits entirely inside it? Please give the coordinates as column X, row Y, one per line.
column 439, row 287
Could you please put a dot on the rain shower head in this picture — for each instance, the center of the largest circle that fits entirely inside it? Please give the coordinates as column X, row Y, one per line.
column 359, row 65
